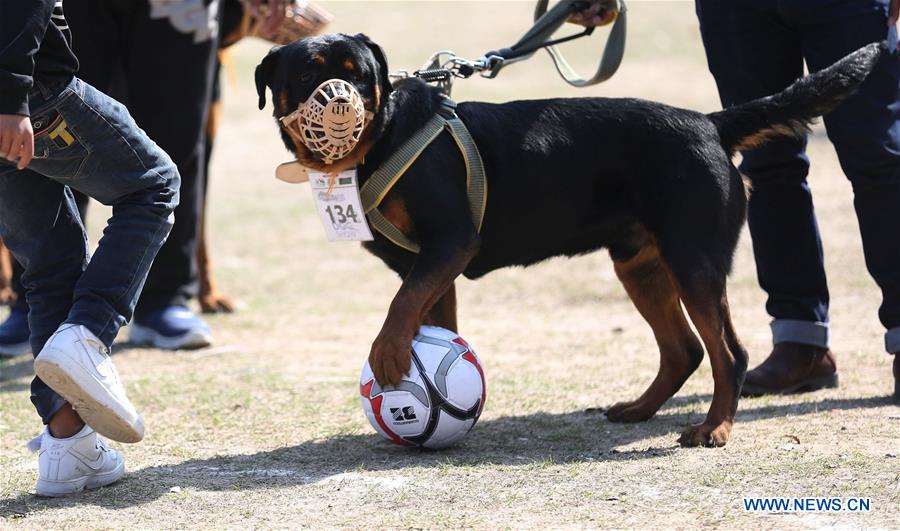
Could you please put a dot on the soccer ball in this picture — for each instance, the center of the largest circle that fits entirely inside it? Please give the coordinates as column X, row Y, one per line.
column 438, row 402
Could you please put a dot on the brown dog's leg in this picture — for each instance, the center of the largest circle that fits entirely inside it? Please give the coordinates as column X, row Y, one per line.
column 7, row 295
column 647, row 281
column 211, row 301
column 443, row 313
column 708, row 309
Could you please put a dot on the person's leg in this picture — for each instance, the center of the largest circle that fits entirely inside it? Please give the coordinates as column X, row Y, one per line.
column 93, row 145
column 41, row 227
column 38, row 217
column 126, row 170
column 160, row 88
column 14, row 331
column 865, row 131
column 753, row 52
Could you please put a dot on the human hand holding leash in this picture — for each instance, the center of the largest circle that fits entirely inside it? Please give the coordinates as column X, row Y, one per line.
column 598, row 15
column 272, row 17
column 16, row 139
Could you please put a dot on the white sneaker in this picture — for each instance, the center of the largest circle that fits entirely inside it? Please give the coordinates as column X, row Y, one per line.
column 83, row 461
column 76, row 364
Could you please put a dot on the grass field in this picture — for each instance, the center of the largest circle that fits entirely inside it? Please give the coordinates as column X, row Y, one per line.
column 264, row 429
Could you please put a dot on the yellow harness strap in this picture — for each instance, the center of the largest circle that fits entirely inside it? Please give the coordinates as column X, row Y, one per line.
column 376, row 188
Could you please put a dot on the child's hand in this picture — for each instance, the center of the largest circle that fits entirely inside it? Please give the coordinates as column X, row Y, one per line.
column 16, row 139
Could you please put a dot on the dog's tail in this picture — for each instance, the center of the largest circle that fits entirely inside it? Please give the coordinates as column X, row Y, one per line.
column 792, row 111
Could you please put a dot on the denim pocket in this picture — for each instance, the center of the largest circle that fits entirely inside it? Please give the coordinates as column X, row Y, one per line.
column 58, row 152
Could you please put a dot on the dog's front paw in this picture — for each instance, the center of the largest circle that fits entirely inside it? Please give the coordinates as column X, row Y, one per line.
column 709, row 433
column 215, row 302
column 390, row 358
column 7, row 296
column 635, row 411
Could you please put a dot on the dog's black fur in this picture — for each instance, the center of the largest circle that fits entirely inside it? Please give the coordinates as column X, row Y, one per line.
column 652, row 183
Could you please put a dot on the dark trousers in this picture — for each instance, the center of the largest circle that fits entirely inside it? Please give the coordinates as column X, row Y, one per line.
column 165, row 54
column 756, row 48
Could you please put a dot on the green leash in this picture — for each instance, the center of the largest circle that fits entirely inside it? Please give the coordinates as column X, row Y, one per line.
column 376, row 188
column 613, row 51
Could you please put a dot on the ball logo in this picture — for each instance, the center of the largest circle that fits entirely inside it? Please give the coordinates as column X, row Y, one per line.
column 404, row 415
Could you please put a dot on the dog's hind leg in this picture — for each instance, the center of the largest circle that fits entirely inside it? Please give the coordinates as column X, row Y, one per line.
column 648, row 283
column 702, row 288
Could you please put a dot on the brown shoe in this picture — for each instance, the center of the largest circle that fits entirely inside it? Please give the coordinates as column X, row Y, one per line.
column 793, row 368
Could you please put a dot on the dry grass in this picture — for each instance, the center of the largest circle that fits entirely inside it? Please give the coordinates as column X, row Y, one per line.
column 264, row 430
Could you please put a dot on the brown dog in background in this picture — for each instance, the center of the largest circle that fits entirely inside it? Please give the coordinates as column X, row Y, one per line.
column 7, row 295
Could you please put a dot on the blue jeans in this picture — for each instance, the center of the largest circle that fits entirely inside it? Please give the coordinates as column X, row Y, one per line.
column 88, row 142
column 757, row 47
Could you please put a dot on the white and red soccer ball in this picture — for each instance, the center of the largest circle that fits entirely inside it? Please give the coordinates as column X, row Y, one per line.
column 438, row 402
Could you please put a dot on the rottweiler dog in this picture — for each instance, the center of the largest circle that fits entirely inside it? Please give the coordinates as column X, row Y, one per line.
column 653, row 184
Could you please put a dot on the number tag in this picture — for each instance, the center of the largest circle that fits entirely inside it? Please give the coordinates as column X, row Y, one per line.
column 340, row 209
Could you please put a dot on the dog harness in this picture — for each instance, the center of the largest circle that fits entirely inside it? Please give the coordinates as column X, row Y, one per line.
column 376, row 188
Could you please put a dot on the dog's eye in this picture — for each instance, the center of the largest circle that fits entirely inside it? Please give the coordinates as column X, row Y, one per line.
column 306, row 77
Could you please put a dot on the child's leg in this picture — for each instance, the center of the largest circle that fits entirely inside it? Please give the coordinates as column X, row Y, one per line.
column 40, row 225
column 91, row 144
column 125, row 169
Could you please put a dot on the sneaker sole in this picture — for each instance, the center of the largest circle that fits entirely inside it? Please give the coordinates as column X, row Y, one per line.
column 55, row 489
column 146, row 336
column 829, row 381
column 13, row 350
column 90, row 398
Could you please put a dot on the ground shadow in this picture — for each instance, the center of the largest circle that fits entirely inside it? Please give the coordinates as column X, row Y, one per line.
column 15, row 368
column 23, row 366
column 526, row 440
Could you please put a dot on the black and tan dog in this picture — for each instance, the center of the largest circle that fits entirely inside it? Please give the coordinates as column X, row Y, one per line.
column 653, row 184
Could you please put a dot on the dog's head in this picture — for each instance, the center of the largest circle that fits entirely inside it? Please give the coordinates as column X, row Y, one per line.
column 294, row 71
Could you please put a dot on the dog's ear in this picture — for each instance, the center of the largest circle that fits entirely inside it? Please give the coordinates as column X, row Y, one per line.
column 264, row 74
column 378, row 53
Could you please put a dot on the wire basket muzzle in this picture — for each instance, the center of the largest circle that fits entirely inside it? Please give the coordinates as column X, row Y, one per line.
column 330, row 122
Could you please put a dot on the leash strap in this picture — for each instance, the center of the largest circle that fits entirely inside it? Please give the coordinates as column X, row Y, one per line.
column 376, row 188
column 612, row 53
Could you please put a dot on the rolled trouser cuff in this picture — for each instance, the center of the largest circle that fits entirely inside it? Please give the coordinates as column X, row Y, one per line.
column 892, row 340
column 813, row 333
